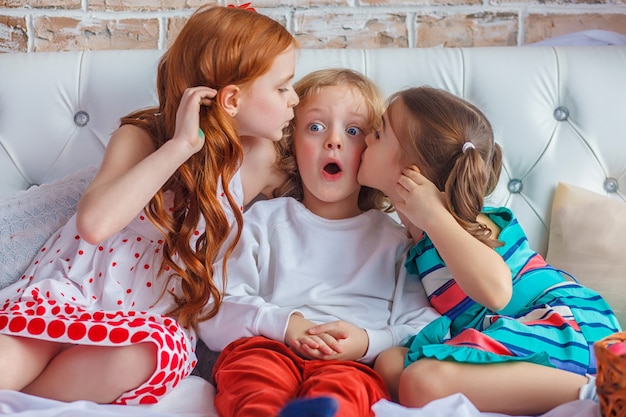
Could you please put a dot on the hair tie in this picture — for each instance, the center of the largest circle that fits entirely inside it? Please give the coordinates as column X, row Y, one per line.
column 468, row 145
column 245, row 6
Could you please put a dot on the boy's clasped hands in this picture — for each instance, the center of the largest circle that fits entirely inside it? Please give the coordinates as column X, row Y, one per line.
column 334, row 340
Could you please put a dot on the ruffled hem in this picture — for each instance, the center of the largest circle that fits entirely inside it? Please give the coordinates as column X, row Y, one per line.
column 470, row 355
column 431, row 343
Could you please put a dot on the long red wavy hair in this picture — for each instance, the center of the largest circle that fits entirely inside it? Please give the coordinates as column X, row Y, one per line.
column 218, row 46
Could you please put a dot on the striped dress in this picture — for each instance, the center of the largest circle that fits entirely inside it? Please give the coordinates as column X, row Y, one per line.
column 550, row 320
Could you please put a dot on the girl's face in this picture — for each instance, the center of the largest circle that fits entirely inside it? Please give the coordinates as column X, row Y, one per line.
column 329, row 137
column 381, row 162
column 266, row 106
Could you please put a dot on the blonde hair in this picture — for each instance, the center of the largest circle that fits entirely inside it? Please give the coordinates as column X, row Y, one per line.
column 311, row 85
column 218, row 46
column 433, row 136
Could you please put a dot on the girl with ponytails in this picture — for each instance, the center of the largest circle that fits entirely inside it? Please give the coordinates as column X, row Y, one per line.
column 515, row 335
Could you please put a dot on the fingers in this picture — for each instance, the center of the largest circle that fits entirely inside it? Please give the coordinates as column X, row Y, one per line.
column 197, row 97
column 331, row 342
column 188, row 115
column 327, row 344
column 332, row 328
column 412, row 172
column 319, row 345
column 204, row 94
column 308, row 353
column 411, row 176
column 409, row 181
column 404, row 185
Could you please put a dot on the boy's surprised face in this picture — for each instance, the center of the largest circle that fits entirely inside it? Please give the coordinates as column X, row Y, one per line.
column 329, row 137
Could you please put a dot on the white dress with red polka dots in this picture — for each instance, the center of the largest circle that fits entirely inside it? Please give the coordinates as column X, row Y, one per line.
column 107, row 295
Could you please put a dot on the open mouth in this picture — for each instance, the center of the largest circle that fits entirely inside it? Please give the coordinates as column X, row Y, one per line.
column 332, row 168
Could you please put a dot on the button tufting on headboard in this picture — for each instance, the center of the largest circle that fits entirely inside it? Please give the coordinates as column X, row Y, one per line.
column 610, row 185
column 81, row 118
column 515, row 186
column 561, row 113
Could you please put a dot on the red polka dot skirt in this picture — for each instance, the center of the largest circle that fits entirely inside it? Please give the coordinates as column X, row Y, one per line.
column 108, row 294
column 64, row 323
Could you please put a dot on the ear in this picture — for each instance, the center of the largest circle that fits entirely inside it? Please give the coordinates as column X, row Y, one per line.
column 229, row 99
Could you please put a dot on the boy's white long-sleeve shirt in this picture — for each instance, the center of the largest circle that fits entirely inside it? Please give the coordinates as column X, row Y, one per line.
column 290, row 260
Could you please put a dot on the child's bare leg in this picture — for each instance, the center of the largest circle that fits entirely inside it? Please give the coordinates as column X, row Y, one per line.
column 95, row 373
column 389, row 365
column 22, row 359
column 515, row 388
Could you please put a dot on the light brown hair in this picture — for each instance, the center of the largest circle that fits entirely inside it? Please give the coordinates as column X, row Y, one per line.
column 218, row 46
column 311, row 85
column 432, row 138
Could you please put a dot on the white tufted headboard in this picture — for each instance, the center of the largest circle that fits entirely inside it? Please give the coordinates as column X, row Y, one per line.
column 558, row 112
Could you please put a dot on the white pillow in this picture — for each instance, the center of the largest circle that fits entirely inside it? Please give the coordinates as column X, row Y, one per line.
column 588, row 240
column 28, row 218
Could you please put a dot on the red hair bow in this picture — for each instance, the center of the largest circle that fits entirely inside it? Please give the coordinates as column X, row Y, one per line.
column 245, row 6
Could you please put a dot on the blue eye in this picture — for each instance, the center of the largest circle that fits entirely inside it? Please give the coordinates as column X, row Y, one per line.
column 316, row 127
column 353, row 131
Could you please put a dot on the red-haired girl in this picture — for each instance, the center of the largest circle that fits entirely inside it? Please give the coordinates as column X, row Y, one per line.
column 107, row 311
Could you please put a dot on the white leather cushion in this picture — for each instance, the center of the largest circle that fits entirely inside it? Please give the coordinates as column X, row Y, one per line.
column 28, row 218
column 588, row 240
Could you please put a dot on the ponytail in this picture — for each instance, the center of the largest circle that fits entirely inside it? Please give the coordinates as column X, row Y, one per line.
column 465, row 190
column 451, row 141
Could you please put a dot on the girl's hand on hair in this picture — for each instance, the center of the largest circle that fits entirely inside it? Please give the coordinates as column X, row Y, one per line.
column 188, row 117
column 420, row 200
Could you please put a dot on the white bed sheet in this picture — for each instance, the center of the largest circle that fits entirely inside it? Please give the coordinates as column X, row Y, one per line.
column 458, row 405
column 194, row 398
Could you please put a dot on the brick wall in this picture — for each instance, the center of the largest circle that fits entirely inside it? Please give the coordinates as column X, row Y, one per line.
column 55, row 25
